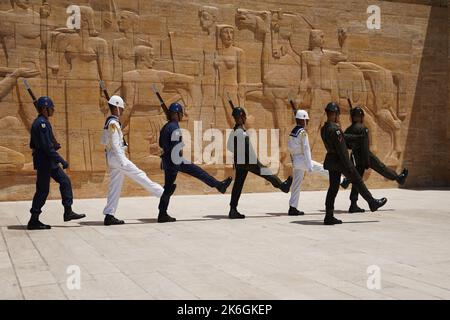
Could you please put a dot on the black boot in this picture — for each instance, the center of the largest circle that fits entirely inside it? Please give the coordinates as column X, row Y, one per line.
column 164, row 217
column 111, row 220
column 294, row 212
column 330, row 219
column 286, row 185
column 354, row 208
column 35, row 224
column 224, row 185
column 345, row 183
column 70, row 215
column 377, row 203
column 234, row 214
column 402, row 177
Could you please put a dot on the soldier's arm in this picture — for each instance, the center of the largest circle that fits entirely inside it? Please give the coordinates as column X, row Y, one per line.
column 46, row 144
column 307, row 151
column 337, row 137
column 116, row 146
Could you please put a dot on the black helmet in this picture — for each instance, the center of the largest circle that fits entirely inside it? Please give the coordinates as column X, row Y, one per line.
column 333, row 107
column 237, row 112
column 357, row 111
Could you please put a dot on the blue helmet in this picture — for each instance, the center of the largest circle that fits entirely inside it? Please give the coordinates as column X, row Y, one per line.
column 333, row 107
column 237, row 112
column 176, row 107
column 44, row 101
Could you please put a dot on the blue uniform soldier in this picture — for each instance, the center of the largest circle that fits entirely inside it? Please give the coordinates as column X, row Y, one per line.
column 170, row 140
column 46, row 162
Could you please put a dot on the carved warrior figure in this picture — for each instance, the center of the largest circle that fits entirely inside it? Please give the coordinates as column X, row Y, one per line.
column 123, row 48
column 81, row 58
column 141, row 100
column 21, row 38
column 208, row 18
column 325, row 75
column 10, row 159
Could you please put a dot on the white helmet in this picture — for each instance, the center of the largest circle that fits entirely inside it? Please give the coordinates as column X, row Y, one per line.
column 301, row 114
column 116, row 101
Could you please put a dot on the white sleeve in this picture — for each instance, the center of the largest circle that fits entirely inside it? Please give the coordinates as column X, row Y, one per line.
column 116, row 143
column 307, row 151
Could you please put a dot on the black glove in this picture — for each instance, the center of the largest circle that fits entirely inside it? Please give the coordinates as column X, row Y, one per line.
column 57, row 146
column 65, row 164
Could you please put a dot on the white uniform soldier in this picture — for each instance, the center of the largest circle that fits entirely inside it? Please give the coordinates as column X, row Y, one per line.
column 298, row 146
column 118, row 163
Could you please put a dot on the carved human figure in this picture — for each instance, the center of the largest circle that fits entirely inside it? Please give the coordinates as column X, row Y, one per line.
column 208, row 16
column 123, row 48
column 142, row 102
column 81, row 59
column 11, row 153
column 230, row 63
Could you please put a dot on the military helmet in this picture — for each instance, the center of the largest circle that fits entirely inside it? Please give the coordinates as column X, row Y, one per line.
column 116, row 101
column 176, row 107
column 333, row 107
column 357, row 111
column 44, row 101
column 237, row 112
column 302, row 114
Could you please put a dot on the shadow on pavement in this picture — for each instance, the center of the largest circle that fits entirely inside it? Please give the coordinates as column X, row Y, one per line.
column 320, row 222
column 24, row 227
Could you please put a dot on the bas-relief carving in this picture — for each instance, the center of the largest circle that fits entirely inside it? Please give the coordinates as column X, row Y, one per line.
column 142, row 102
column 293, row 62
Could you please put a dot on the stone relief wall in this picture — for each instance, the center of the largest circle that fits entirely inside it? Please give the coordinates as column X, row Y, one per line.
column 259, row 53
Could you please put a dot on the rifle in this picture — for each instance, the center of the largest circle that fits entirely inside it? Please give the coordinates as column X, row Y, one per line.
column 294, row 108
column 56, row 144
column 161, row 101
column 103, row 87
column 349, row 102
column 27, row 86
column 230, row 101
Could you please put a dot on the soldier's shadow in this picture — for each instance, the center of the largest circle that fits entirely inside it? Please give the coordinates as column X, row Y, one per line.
column 223, row 216
column 320, row 222
column 24, row 227
column 367, row 211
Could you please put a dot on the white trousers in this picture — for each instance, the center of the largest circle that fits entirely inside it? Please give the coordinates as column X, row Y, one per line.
column 117, row 173
column 298, row 175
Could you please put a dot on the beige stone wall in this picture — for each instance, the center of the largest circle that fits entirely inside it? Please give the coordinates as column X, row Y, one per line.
column 260, row 52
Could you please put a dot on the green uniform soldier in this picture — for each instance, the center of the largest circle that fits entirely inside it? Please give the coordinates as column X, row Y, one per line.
column 357, row 138
column 337, row 162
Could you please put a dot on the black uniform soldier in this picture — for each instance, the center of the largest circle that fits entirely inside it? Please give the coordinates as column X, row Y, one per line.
column 337, row 162
column 245, row 161
column 170, row 140
column 363, row 157
column 46, row 161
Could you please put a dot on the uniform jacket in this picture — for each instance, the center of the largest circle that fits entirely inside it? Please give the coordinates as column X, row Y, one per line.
column 337, row 157
column 298, row 146
column 113, row 140
column 170, row 137
column 239, row 144
column 42, row 143
column 357, row 138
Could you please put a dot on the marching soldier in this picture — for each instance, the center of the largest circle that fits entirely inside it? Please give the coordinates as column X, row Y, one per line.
column 298, row 146
column 364, row 158
column 170, row 140
column 118, row 163
column 337, row 162
column 245, row 161
column 46, row 162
